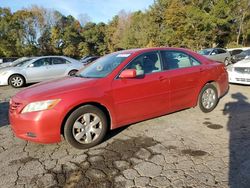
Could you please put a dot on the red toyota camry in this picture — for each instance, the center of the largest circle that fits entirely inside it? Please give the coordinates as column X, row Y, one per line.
column 118, row 89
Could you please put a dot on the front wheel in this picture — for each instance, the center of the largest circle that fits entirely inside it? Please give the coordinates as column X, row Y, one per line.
column 85, row 127
column 16, row 81
column 208, row 98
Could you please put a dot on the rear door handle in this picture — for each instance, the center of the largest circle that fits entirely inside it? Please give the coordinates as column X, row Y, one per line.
column 202, row 69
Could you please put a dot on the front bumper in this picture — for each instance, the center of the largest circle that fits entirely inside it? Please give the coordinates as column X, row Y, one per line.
column 4, row 80
column 239, row 78
column 42, row 127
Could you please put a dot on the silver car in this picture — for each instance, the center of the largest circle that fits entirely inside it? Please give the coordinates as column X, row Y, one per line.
column 217, row 54
column 39, row 69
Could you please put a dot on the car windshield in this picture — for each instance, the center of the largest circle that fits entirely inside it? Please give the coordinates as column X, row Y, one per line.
column 103, row 66
column 20, row 64
column 205, row 51
column 235, row 52
column 19, row 60
column 245, row 53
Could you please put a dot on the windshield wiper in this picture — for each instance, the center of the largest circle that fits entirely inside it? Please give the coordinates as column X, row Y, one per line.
column 81, row 76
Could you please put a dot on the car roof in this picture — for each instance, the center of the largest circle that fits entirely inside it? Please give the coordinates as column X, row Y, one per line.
column 141, row 50
column 49, row 56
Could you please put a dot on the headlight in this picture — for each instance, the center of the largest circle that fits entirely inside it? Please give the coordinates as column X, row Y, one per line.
column 40, row 105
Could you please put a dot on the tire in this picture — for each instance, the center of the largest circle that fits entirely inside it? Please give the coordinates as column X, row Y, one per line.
column 17, row 81
column 226, row 62
column 72, row 72
column 78, row 131
column 208, row 98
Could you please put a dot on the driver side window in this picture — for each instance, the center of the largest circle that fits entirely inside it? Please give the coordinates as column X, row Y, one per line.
column 58, row 61
column 41, row 62
column 146, row 63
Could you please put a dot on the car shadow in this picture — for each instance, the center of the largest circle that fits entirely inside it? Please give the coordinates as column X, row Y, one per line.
column 4, row 116
column 113, row 133
column 238, row 111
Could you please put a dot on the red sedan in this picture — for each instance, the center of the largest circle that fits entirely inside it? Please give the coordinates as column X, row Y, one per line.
column 118, row 89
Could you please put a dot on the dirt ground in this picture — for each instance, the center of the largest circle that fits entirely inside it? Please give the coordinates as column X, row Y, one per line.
column 184, row 149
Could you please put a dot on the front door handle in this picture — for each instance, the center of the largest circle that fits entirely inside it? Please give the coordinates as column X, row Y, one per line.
column 162, row 78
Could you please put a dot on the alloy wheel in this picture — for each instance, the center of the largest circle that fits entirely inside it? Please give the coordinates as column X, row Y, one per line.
column 16, row 81
column 208, row 98
column 87, row 128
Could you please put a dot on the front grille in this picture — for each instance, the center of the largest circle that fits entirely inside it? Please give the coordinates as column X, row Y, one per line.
column 243, row 80
column 244, row 70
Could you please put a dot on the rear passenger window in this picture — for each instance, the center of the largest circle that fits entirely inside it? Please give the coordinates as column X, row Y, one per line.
column 58, row 61
column 194, row 62
column 175, row 60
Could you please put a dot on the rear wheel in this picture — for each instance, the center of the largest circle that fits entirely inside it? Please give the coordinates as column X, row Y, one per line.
column 16, row 81
column 85, row 127
column 72, row 72
column 208, row 98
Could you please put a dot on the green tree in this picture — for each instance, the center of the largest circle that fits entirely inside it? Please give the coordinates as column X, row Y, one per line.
column 193, row 24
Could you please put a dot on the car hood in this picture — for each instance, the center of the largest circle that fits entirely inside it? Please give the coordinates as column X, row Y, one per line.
column 6, row 64
column 13, row 69
column 55, row 88
column 242, row 63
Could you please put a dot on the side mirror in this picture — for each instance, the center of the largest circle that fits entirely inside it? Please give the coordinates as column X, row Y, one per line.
column 213, row 53
column 129, row 73
column 31, row 65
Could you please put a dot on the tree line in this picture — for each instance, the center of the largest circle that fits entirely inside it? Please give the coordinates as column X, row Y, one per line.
column 193, row 24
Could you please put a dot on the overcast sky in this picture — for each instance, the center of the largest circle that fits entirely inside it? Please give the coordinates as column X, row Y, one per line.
column 97, row 10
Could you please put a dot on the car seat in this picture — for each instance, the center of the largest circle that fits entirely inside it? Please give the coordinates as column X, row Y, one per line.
column 149, row 62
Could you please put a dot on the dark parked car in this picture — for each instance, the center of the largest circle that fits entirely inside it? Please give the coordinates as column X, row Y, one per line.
column 84, row 57
column 116, row 90
column 89, row 60
column 243, row 55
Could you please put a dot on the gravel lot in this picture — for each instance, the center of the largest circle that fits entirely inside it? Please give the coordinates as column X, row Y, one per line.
column 184, row 149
